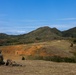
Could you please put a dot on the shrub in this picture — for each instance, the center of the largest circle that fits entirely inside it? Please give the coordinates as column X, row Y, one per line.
column 23, row 58
column 71, row 45
column 37, row 38
column 53, row 58
column 56, row 59
column 71, row 60
column 74, row 41
column 60, row 59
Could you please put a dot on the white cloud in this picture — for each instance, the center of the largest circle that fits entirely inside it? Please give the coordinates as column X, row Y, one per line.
column 23, row 30
column 67, row 19
column 13, row 31
column 60, row 26
column 17, row 31
column 63, row 26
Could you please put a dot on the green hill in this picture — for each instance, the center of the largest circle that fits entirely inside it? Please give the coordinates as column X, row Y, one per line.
column 39, row 35
column 70, row 33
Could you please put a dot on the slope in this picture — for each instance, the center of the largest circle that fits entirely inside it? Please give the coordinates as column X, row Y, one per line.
column 70, row 33
column 53, row 48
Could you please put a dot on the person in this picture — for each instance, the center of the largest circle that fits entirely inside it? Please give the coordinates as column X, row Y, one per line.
column 1, row 58
column 9, row 62
column 71, row 45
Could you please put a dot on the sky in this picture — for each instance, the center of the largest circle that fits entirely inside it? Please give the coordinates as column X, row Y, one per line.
column 23, row 16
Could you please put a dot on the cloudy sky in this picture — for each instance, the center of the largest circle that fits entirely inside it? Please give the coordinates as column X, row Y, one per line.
column 23, row 16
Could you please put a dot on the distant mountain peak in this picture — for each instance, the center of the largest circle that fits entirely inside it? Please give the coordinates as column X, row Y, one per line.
column 45, row 27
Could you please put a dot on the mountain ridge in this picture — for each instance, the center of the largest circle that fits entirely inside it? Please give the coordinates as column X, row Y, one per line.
column 40, row 28
column 39, row 35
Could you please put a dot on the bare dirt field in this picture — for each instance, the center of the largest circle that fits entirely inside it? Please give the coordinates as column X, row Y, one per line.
column 39, row 67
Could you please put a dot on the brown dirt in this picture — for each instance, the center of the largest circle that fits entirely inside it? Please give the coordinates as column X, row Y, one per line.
column 39, row 67
column 57, row 47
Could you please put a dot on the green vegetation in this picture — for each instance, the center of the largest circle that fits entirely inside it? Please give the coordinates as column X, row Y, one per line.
column 41, row 34
column 34, row 57
column 53, row 58
column 61, row 59
column 37, row 38
column 70, row 33
column 74, row 41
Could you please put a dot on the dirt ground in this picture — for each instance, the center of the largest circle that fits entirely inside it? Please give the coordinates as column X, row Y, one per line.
column 39, row 67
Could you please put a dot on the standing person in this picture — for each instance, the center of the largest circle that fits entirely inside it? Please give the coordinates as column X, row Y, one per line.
column 1, row 58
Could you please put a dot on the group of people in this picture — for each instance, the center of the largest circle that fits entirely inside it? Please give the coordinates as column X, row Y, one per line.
column 8, row 62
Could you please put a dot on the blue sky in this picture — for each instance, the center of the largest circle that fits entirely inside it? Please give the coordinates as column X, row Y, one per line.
column 23, row 16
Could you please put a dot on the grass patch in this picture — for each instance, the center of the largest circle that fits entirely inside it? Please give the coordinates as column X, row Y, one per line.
column 53, row 58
